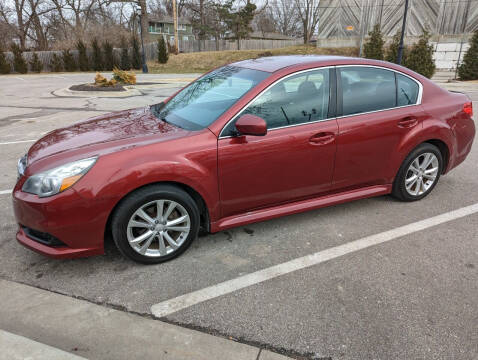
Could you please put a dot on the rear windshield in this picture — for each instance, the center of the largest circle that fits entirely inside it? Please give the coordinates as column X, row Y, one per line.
column 203, row 101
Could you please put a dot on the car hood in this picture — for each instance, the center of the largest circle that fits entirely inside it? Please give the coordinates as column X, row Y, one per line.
column 104, row 134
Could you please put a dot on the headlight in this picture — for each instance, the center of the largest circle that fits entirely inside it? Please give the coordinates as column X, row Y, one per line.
column 56, row 180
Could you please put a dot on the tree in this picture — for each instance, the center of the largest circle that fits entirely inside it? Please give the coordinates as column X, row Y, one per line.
column 373, row 48
column 69, row 63
column 19, row 63
column 392, row 51
column 35, row 64
column 4, row 64
column 56, row 64
column 108, row 56
column 97, row 57
column 309, row 15
column 420, row 57
column 82, row 56
column 238, row 19
column 468, row 70
column 285, row 17
column 125, row 63
column 162, row 51
column 136, row 56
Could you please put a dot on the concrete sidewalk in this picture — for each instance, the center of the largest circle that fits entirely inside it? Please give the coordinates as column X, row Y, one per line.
column 95, row 332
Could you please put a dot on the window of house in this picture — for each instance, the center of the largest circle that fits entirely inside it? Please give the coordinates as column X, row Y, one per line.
column 407, row 91
column 367, row 89
column 295, row 100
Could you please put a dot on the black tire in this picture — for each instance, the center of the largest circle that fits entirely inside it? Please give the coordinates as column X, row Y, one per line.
column 399, row 190
column 139, row 198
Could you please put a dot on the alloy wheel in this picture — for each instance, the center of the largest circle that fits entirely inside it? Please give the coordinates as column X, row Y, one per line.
column 158, row 228
column 421, row 174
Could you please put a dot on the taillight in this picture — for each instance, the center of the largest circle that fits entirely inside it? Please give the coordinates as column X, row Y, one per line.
column 468, row 108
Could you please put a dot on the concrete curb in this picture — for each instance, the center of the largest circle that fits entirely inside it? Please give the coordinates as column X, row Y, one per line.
column 18, row 347
column 93, row 331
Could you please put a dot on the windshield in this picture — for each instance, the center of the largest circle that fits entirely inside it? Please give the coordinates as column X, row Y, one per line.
column 202, row 102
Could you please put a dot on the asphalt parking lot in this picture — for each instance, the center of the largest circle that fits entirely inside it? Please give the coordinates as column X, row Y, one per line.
column 413, row 297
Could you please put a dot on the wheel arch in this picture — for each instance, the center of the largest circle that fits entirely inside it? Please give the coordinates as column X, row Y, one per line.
column 198, row 199
column 444, row 150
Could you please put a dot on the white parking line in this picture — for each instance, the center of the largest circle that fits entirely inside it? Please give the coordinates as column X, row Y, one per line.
column 3, row 192
column 184, row 301
column 16, row 142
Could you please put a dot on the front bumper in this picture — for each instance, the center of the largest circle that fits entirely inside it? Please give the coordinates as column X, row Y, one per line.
column 76, row 222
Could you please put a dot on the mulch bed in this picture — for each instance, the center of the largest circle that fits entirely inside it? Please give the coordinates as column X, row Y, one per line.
column 92, row 87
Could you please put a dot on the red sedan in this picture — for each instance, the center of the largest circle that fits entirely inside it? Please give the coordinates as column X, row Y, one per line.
column 247, row 142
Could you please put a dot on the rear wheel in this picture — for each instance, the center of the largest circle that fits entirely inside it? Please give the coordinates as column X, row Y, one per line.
column 419, row 173
column 155, row 224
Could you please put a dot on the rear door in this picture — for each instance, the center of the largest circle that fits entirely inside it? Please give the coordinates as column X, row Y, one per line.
column 376, row 110
column 294, row 160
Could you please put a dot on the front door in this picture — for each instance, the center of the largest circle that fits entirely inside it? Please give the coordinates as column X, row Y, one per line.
column 295, row 160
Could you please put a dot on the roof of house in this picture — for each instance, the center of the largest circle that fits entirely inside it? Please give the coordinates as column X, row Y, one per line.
column 168, row 20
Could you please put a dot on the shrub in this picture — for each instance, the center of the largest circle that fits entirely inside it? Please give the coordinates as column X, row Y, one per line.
column 82, row 56
column 162, row 52
column 265, row 54
column 420, row 57
column 124, row 77
column 136, row 56
column 125, row 63
column 171, row 48
column 100, row 80
column 97, row 57
column 392, row 51
column 56, row 64
column 19, row 63
column 373, row 48
column 35, row 64
column 69, row 62
column 4, row 63
column 108, row 56
column 468, row 70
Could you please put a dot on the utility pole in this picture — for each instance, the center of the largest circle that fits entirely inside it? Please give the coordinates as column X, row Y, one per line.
column 363, row 27
column 175, row 20
column 400, row 47
column 463, row 29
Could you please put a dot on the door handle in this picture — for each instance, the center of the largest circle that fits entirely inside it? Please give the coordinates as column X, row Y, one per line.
column 408, row 122
column 322, row 138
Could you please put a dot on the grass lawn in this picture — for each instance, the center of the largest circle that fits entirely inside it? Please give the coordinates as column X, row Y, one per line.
column 199, row 62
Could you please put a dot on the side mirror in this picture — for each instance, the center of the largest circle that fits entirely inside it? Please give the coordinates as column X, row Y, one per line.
column 251, row 125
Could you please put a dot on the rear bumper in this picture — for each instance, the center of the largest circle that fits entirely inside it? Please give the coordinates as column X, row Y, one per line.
column 77, row 223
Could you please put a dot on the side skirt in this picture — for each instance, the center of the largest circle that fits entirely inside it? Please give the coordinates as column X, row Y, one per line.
column 299, row 206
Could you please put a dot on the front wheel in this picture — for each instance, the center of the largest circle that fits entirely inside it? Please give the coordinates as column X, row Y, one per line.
column 419, row 173
column 155, row 224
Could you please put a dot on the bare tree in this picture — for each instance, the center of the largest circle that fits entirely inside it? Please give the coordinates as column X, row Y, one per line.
column 308, row 11
column 285, row 16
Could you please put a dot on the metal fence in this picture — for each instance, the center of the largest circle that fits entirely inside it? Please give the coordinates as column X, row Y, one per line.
column 151, row 49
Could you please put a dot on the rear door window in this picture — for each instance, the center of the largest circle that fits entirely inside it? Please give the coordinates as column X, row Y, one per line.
column 407, row 90
column 367, row 89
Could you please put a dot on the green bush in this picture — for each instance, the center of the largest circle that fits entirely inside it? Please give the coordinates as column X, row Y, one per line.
column 373, row 48
column 19, row 63
column 162, row 51
column 468, row 70
column 56, row 64
column 69, row 62
column 97, row 57
column 392, row 51
column 420, row 57
column 4, row 63
column 125, row 63
column 136, row 56
column 108, row 56
column 35, row 64
column 82, row 56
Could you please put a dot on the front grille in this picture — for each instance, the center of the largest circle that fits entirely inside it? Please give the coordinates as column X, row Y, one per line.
column 42, row 237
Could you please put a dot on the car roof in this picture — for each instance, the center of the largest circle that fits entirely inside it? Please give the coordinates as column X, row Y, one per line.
column 291, row 62
column 275, row 63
